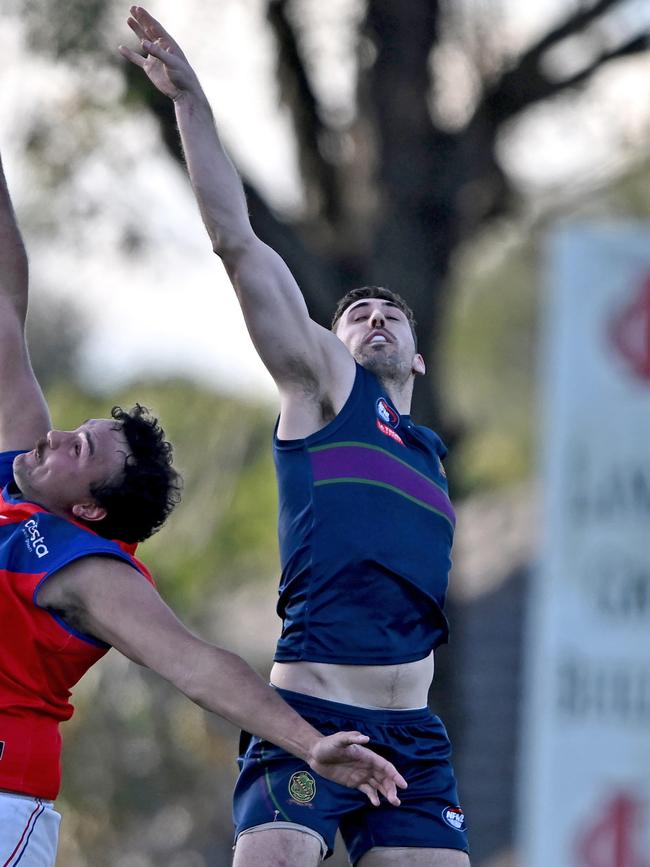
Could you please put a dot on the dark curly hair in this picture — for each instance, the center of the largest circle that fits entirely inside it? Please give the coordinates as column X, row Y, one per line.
column 139, row 501
column 374, row 292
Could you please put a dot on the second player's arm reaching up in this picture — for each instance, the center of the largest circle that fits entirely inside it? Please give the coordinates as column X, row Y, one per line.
column 24, row 415
column 302, row 357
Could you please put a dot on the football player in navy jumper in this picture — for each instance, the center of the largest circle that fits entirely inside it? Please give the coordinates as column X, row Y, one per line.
column 365, row 530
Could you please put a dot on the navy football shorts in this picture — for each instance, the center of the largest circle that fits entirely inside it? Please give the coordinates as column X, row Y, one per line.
column 276, row 787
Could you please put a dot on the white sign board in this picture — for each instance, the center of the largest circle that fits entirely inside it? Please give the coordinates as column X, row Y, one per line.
column 586, row 741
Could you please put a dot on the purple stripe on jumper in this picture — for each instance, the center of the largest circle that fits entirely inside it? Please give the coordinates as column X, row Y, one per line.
column 345, row 462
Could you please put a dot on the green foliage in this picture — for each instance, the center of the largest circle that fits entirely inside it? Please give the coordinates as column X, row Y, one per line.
column 627, row 199
column 490, row 361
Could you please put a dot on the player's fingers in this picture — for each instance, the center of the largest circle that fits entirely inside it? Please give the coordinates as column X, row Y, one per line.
column 386, row 787
column 141, row 14
column 388, row 772
column 152, row 27
column 390, row 793
column 351, row 741
column 133, row 56
column 355, row 738
column 385, row 769
column 370, row 793
column 156, row 50
column 137, row 29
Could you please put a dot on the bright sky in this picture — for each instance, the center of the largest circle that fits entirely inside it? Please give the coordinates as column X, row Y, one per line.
column 170, row 308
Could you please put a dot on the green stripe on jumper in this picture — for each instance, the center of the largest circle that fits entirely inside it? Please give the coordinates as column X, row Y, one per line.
column 376, row 484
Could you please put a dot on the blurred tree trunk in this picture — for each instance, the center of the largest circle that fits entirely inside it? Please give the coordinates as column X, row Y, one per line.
column 416, row 232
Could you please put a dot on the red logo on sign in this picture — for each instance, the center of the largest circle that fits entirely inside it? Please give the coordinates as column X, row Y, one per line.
column 629, row 332
column 613, row 840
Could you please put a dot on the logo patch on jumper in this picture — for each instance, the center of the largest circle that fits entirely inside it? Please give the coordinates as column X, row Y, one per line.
column 33, row 538
column 386, row 413
column 454, row 817
column 302, row 787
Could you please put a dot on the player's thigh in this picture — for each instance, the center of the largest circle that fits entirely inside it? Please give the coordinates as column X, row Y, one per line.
column 407, row 856
column 282, row 847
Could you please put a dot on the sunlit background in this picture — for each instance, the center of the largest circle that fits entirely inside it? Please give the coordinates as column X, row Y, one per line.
column 442, row 144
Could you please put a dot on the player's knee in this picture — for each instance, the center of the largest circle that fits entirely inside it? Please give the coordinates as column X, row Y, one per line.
column 396, row 856
column 272, row 846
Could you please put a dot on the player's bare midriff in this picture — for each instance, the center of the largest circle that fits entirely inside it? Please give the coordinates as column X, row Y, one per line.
column 385, row 686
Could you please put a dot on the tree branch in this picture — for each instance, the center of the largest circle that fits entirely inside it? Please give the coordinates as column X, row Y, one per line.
column 575, row 23
column 526, row 83
column 297, row 94
column 635, row 46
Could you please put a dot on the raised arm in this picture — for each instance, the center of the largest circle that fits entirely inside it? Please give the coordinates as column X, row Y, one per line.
column 23, row 413
column 299, row 354
column 109, row 600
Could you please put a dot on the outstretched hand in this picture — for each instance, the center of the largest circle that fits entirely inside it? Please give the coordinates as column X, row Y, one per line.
column 341, row 758
column 163, row 60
